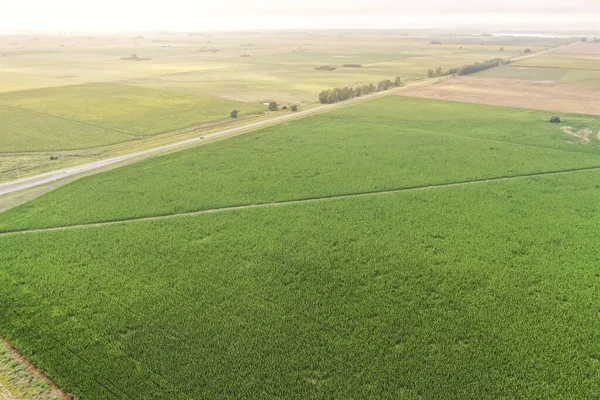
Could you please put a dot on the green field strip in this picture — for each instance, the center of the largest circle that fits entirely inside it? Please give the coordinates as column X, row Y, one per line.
column 293, row 202
column 509, row 142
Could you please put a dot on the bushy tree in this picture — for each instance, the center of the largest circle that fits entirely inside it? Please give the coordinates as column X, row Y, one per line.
column 430, row 73
column 294, row 107
column 273, row 106
column 323, row 96
column 234, row 114
column 472, row 68
column 438, row 71
column 527, row 51
column 384, row 85
column 555, row 120
column 398, row 81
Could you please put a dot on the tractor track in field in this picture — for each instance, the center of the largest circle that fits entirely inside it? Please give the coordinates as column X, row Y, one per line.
column 294, row 202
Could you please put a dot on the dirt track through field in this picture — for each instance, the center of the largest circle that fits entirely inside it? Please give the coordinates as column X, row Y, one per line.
column 293, row 202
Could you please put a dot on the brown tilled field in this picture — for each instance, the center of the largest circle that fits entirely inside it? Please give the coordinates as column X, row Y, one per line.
column 539, row 95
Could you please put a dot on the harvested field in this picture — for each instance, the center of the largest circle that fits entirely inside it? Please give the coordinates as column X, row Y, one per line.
column 538, row 95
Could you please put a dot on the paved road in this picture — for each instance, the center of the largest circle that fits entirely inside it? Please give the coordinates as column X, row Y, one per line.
column 41, row 179
column 47, row 177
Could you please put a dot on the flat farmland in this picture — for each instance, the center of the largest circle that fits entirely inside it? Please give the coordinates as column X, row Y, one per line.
column 458, row 292
column 74, row 117
column 523, row 93
column 384, row 144
column 84, row 94
column 400, row 247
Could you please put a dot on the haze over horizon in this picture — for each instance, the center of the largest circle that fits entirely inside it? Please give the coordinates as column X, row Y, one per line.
column 186, row 15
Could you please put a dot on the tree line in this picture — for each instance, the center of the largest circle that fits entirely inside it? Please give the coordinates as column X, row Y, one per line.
column 336, row 95
column 487, row 64
column 467, row 69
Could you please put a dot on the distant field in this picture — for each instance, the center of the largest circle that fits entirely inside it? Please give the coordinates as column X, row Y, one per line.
column 524, row 73
column 188, row 80
column 23, row 130
column 523, row 91
column 85, row 116
column 383, row 144
column 487, row 291
column 564, row 60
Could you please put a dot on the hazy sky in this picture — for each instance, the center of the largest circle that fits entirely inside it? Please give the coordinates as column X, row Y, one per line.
column 107, row 15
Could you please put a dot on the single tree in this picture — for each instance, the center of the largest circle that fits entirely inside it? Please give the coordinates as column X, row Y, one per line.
column 398, row 81
column 234, row 114
column 294, row 107
column 555, row 120
column 273, row 106
column 527, row 51
column 438, row 71
column 323, row 96
column 430, row 73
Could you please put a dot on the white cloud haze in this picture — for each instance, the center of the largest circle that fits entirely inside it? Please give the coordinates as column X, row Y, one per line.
column 183, row 15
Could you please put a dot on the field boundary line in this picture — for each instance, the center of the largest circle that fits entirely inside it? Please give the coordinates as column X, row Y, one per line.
column 294, row 202
column 68, row 120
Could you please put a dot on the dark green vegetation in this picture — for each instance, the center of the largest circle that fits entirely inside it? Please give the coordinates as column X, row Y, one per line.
column 384, row 144
column 336, row 95
column 488, row 290
column 472, row 68
column 481, row 291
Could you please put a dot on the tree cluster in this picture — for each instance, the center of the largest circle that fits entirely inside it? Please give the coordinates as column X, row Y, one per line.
column 472, row 68
column 325, row 68
column 555, row 120
column 341, row 94
column 439, row 72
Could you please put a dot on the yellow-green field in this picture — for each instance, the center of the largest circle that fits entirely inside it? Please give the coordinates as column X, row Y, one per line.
column 91, row 115
column 76, row 94
column 576, row 65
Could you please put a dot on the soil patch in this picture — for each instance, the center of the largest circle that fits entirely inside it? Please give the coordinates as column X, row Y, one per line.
column 513, row 93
